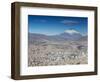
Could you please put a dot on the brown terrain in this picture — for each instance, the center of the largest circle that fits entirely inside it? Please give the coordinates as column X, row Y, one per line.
column 47, row 52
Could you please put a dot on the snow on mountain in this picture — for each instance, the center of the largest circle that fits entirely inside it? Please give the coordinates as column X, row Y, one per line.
column 72, row 31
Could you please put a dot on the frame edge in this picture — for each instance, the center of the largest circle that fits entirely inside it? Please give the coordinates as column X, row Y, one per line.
column 15, row 41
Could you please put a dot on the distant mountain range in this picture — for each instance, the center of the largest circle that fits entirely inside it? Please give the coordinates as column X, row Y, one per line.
column 68, row 35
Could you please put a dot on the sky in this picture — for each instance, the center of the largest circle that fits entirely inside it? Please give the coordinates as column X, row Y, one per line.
column 53, row 25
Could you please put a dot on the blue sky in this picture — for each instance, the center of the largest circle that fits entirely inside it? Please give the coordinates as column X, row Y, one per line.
column 52, row 25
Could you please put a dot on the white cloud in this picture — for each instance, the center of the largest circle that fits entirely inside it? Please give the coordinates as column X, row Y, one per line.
column 69, row 22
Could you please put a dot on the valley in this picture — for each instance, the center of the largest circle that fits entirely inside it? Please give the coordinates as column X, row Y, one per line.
column 56, row 50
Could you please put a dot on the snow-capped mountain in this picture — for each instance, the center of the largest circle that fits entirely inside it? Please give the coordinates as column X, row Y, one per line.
column 71, row 34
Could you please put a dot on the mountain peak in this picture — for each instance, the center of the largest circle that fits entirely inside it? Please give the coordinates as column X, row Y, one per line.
column 72, row 31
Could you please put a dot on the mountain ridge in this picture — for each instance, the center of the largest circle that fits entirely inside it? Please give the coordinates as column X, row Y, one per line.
column 60, row 37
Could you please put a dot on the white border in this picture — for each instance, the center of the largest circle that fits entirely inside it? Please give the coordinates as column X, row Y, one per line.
column 25, row 70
